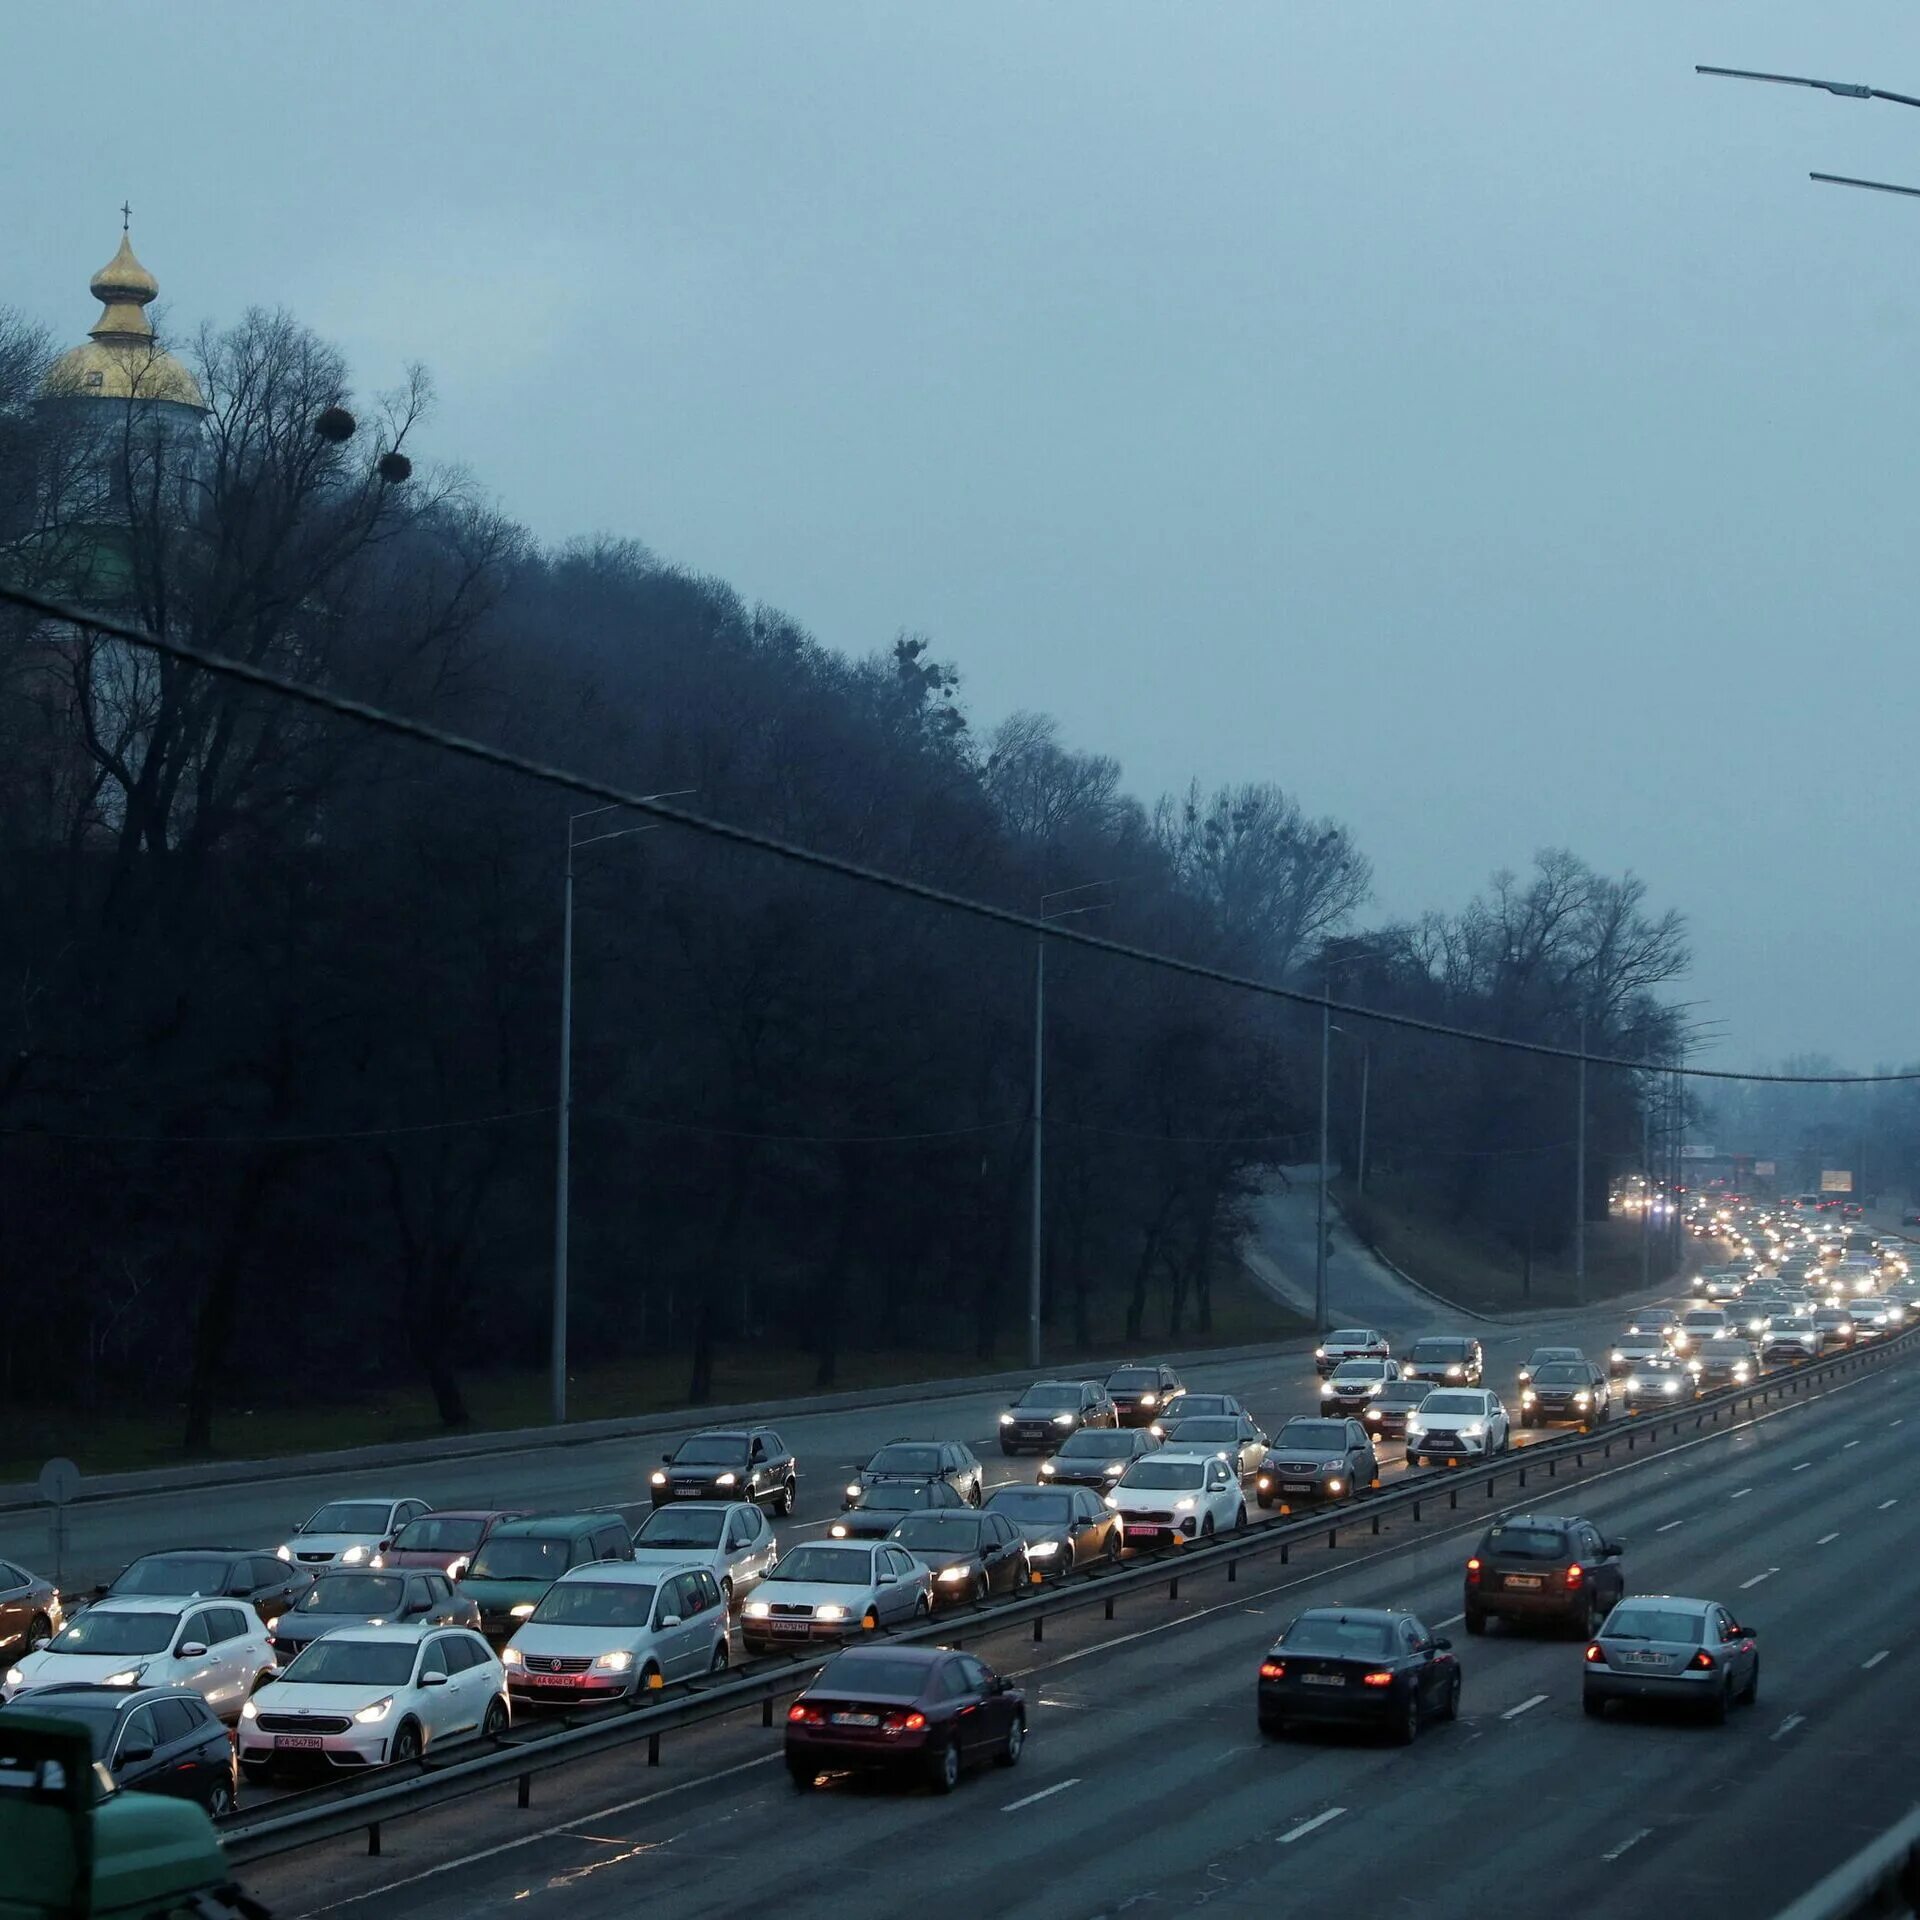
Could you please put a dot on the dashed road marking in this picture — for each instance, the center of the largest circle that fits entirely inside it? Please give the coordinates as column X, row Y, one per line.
column 1045, row 1793
column 1632, row 1840
column 1826, row 1540
column 1850, row 1443
column 1885, row 1504
column 1741, row 1495
column 1307, row 1826
column 1867, row 1666
column 1757, row 1578
column 1669, row 1527
column 1787, row 1725
column 1803, row 1466
column 1525, row 1706
column 1452, row 1620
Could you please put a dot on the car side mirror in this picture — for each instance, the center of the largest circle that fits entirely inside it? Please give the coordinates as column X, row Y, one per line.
column 671, row 1620
column 1613, row 1549
column 40, row 1646
column 433, row 1679
column 666, row 1459
column 189, row 1650
column 999, row 1684
column 1441, row 1644
column 131, row 1756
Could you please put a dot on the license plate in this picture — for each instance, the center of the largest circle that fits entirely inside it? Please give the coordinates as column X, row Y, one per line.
column 792, row 1626
column 1296, row 1486
column 1135, row 1533
column 1523, row 1579
column 1324, row 1679
column 687, row 1493
column 1645, row 1659
column 856, row 1719
column 298, row 1742
column 558, row 1679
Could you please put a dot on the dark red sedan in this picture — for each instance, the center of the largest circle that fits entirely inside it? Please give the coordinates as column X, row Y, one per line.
column 914, row 1710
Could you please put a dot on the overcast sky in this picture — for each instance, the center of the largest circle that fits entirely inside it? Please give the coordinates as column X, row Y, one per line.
column 1459, row 412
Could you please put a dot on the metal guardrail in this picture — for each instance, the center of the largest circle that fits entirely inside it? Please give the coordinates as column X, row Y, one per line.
column 1881, row 1879
column 366, row 1804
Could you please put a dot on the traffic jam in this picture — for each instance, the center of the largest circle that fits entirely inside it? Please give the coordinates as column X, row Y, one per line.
column 381, row 1629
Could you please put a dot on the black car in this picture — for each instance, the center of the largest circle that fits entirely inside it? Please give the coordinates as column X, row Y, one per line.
column 1552, row 1567
column 256, row 1575
column 1142, row 1394
column 1385, row 1415
column 971, row 1555
column 1566, row 1393
column 1366, row 1666
column 883, row 1506
column 1064, row 1527
column 738, row 1463
column 151, row 1739
column 1324, row 1459
column 1725, row 1363
column 1096, row 1457
column 1450, row 1359
column 922, row 1460
column 1544, row 1356
column 1049, row 1410
column 29, row 1608
column 1195, row 1406
column 369, row 1599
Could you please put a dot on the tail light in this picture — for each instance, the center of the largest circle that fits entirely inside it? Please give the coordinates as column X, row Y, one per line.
column 1702, row 1662
column 1273, row 1669
column 802, row 1715
column 1473, row 1571
column 1376, row 1680
column 1594, row 1654
column 1575, row 1574
column 903, row 1723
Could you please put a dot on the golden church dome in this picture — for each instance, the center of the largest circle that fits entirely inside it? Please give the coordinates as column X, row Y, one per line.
column 122, row 360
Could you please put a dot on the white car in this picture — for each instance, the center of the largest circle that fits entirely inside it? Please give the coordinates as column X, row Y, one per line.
column 217, row 1647
column 615, row 1629
column 835, row 1590
column 1457, row 1423
column 371, row 1696
column 1160, row 1499
column 735, row 1543
column 348, row 1533
column 1351, row 1343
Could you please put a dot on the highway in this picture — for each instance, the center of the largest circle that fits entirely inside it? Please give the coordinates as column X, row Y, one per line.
column 1146, row 1788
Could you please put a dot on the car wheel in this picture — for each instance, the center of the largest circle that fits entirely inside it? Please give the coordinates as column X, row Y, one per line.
column 1751, row 1691
column 722, row 1656
column 801, row 1774
column 1015, row 1742
column 219, row 1801
column 1450, row 1708
column 1266, row 1502
column 1406, row 1730
column 1722, row 1703
column 946, row 1767
column 1240, row 1516
column 783, row 1500
column 38, row 1628
column 495, row 1723
column 1476, row 1619
column 642, row 1689
column 922, row 1607
column 1007, row 1451
column 1414, row 1460
column 406, row 1743
column 982, row 1588
column 1593, row 1706
column 1206, row 1528
column 1113, row 1546
column 256, row 1773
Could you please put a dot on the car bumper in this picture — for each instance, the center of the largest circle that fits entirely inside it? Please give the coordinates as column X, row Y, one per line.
column 769, row 1636
column 1448, row 1447
column 1035, row 1439
column 568, row 1689
column 852, row 1748
column 1296, row 1492
column 1138, row 1534
column 1607, row 1683
column 363, row 1747
column 1349, row 1705
column 1530, row 1603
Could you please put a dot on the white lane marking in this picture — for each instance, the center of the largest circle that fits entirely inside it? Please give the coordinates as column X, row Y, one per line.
column 1741, row 1495
column 1045, row 1793
column 1850, row 1443
column 1525, row 1706
column 1885, row 1504
column 1826, row 1540
column 1452, row 1620
column 1867, row 1666
column 1803, row 1466
column 1307, row 1826
column 1787, row 1725
column 1895, row 1423
column 1632, row 1840
column 1669, row 1527
column 1757, row 1578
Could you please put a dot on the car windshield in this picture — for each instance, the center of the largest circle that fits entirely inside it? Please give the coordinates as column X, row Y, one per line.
column 1453, row 1403
column 711, row 1450
column 1050, row 1398
column 1330, row 1633
column 1545, row 1356
column 1653, row 1623
column 1703, row 1318
column 1152, row 1473
column 1350, row 1337
column 1403, row 1393
column 1360, row 1370
column 939, row 1533
column 364, row 1593
column 689, row 1526
column 903, row 1459
column 1795, row 1323
column 1528, row 1543
column 877, row 1675
column 1133, row 1380
column 1724, row 1350
column 336, row 1662
column 1312, row 1433
column 1560, row 1374
column 99, row 1713
column 825, row 1566
column 1212, row 1426
column 520, row 1556
column 1197, row 1406
column 439, row 1533
column 901, row 1498
column 1040, row 1506
column 172, row 1573
column 350, row 1516
column 594, row 1603
column 1437, row 1350
column 100, row 1631
column 1094, row 1443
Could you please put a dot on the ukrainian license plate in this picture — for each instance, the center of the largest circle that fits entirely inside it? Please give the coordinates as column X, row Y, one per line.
column 1296, row 1486
column 856, row 1719
column 1645, row 1659
column 1324, row 1679
column 1139, row 1533
column 791, row 1626
column 298, row 1742
column 687, row 1493
column 1523, row 1579
column 558, row 1679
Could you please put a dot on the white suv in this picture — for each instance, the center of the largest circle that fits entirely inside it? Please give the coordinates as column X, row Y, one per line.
column 1457, row 1423
column 1350, row 1343
column 1177, row 1499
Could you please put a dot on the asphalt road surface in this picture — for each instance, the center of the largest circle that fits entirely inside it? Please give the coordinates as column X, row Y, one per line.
column 1146, row 1788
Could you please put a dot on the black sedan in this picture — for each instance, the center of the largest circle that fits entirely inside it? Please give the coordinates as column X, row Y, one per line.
column 742, row 1463
column 884, row 1505
column 29, row 1608
column 970, row 1555
column 1064, row 1527
column 151, row 1739
column 269, row 1584
column 1386, row 1413
column 1195, row 1406
column 1361, row 1666
column 906, row 1710
column 1096, row 1457
column 1539, row 1566
column 370, row 1599
column 1142, row 1394
column 1445, row 1359
column 1049, row 1410
column 950, row 1460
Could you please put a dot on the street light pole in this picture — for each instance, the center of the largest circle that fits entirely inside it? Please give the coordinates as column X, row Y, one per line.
column 1646, row 1186
column 1841, row 90
column 1580, row 1175
column 1320, row 1191
column 1366, row 1077
column 1034, row 1237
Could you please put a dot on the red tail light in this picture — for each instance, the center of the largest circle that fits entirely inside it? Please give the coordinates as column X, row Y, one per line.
column 802, row 1715
column 1593, row 1652
column 903, row 1723
column 1273, row 1669
column 1575, row 1574
column 1702, row 1661
column 1473, row 1571
column 1377, row 1680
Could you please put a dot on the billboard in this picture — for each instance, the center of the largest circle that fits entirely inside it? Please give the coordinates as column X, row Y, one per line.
column 1835, row 1180
column 1765, row 1169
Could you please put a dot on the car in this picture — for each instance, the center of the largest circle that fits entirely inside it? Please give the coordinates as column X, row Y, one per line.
column 1835, row 1325
column 1541, row 1566
column 1235, row 1437
column 1700, row 1323
column 1546, row 1356
column 1855, row 1276
column 152, row 1739
column 1096, row 1456
column 1164, row 1501
column 375, row 1696
column 922, row 1460
column 1631, row 1350
column 1659, row 1383
column 1350, row 1343
column 1657, row 1647
column 348, row 1533
column 1566, row 1393
column 30, row 1608
column 520, row 1559
column 733, row 1542
column 881, row 1508
column 1196, row 1406
column 1875, row 1319
column 1385, row 1415
column 1725, row 1363
column 369, row 1599
column 1049, row 1410
column 1454, row 1359
column 268, row 1584
column 1792, row 1339
column 1064, row 1527
column 1370, row 1666
column 736, row 1463
column 1457, row 1423
column 1143, row 1392
column 925, row 1711
column 1351, row 1384
column 1726, row 1285
column 615, row 1631
column 835, row 1590
column 970, row 1555
column 1317, row 1459
column 445, row 1541
column 217, row 1647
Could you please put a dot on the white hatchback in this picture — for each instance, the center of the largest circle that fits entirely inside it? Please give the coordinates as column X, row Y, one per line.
column 375, row 1696
column 612, row 1630
column 1162, row 1499
column 217, row 1647
column 348, row 1533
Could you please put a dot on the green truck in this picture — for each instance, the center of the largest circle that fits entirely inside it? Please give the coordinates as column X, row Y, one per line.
column 73, row 1847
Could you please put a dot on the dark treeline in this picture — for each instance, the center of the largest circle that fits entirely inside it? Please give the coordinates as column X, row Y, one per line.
column 279, row 995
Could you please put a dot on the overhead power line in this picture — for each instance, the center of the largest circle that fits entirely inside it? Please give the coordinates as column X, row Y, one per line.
column 224, row 666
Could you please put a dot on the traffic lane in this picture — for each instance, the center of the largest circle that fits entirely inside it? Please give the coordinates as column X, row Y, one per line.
column 1199, row 1658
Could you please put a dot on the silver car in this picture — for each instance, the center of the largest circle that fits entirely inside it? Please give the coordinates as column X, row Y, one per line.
column 734, row 1542
column 835, row 1590
column 1656, row 1647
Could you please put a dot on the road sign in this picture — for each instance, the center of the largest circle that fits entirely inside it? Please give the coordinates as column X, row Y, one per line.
column 1835, row 1180
column 59, row 1482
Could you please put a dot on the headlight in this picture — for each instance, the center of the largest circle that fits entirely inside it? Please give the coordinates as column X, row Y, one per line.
column 953, row 1573
column 1474, row 1429
column 1047, row 1466
column 831, row 1611
column 1149, row 1399
column 1184, row 1505
column 727, row 1480
column 756, row 1610
column 1063, row 1419
column 1415, row 1424
column 1618, row 1358
column 614, row 1660
column 853, row 1490
column 129, row 1677
column 1740, row 1370
column 1669, row 1386
column 1327, row 1388
column 511, row 1657
column 657, row 1478
column 1335, row 1484
column 1045, row 1549
column 1319, row 1353
column 283, row 1553
column 248, row 1712
column 524, row 1611
column 1633, row 1383
column 1113, row 1503
column 1526, row 1399
column 1373, row 1413
column 1116, row 1468
column 378, row 1560
column 1006, row 1419
column 1375, row 1388
column 353, row 1556
column 373, row 1715
column 838, row 1529
column 1582, row 1399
